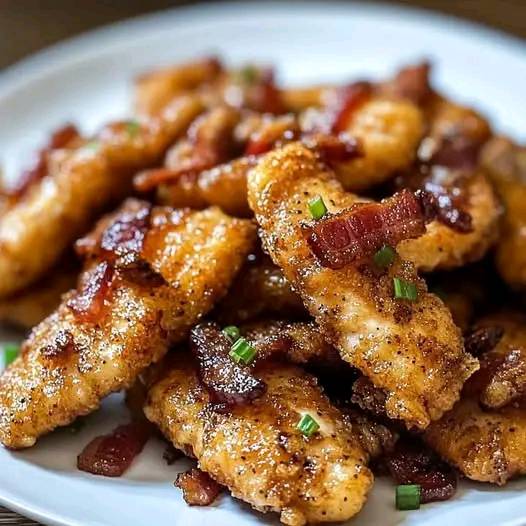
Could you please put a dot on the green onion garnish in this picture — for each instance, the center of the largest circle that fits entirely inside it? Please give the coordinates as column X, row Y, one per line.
column 10, row 352
column 307, row 425
column 317, row 207
column 404, row 290
column 232, row 332
column 385, row 256
column 249, row 74
column 242, row 352
column 133, row 128
column 408, row 497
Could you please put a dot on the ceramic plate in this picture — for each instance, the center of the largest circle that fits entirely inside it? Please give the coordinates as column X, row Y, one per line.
column 87, row 80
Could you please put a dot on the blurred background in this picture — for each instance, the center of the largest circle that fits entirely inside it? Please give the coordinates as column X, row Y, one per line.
column 29, row 25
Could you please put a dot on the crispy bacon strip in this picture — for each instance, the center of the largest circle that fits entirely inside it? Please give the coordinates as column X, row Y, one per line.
column 412, row 463
column 197, row 487
column 111, row 455
column 411, row 82
column 38, row 170
column 348, row 100
column 357, row 233
column 228, row 383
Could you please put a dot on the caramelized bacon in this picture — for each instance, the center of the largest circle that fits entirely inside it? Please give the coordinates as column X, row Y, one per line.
column 348, row 100
column 483, row 339
column 357, row 233
column 228, row 383
column 457, row 152
column 59, row 139
column 334, row 149
column 88, row 303
column 111, row 455
column 411, row 83
column 197, row 487
column 411, row 463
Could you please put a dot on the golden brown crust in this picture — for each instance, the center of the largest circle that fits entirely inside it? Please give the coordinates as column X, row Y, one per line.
column 256, row 450
column 69, row 364
column 81, row 183
column 411, row 350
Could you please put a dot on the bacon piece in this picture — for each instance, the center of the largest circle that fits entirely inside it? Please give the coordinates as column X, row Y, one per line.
column 411, row 83
column 111, row 455
column 88, row 303
column 59, row 139
column 272, row 133
column 334, row 149
column 457, row 152
column 483, row 339
column 357, row 233
column 197, row 487
column 228, row 383
column 412, row 463
column 348, row 100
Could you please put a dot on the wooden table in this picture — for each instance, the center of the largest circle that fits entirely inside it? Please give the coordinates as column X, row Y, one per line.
column 26, row 26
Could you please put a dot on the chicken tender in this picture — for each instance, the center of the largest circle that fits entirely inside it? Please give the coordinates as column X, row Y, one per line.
column 256, row 449
column 80, row 184
column 151, row 273
column 411, row 350
column 506, row 165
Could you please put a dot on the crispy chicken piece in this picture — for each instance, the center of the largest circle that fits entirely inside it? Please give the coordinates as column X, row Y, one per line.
column 155, row 89
column 442, row 247
column 485, row 445
column 259, row 289
column 170, row 269
column 506, row 166
column 256, row 449
column 411, row 350
column 29, row 307
column 80, row 184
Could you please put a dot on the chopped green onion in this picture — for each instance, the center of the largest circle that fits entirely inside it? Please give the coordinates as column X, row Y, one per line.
column 404, row 290
column 408, row 497
column 10, row 352
column 385, row 256
column 307, row 425
column 232, row 332
column 133, row 128
column 242, row 352
column 249, row 74
column 317, row 207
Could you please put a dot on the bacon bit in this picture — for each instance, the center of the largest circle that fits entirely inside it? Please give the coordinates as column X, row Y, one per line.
column 457, row 152
column 348, row 100
column 411, row 463
column 88, row 304
column 111, row 455
column 368, row 397
column 411, row 83
column 274, row 133
column 483, row 339
column 64, row 345
column 263, row 95
column 124, row 238
column 357, row 233
column 334, row 149
column 197, row 487
column 148, row 180
column 59, row 139
column 228, row 383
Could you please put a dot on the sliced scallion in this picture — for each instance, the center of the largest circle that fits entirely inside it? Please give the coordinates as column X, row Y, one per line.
column 408, row 497
column 232, row 333
column 242, row 352
column 317, row 207
column 404, row 290
column 307, row 425
column 384, row 257
column 10, row 352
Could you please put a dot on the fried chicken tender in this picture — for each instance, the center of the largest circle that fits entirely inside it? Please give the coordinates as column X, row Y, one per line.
column 506, row 165
column 30, row 306
column 80, row 184
column 485, row 445
column 259, row 289
column 442, row 248
column 411, row 350
column 256, row 449
column 121, row 319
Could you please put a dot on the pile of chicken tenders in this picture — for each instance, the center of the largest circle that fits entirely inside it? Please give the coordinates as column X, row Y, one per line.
column 297, row 287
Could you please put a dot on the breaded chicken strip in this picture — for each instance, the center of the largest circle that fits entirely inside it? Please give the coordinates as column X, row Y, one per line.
column 29, row 307
column 256, row 449
column 80, row 183
column 506, row 166
column 411, row 350
column 151, row 274
column 485, row 445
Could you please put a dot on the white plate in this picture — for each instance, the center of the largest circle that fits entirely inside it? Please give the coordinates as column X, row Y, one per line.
column 88, row 80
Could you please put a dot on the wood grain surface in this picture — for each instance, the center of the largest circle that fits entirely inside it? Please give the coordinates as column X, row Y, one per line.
column 29, row 25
